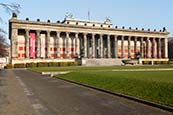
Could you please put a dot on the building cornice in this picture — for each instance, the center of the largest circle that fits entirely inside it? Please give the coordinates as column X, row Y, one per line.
column 60, row 24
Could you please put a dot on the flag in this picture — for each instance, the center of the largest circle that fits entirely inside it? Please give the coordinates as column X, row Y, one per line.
column 88, row 14
column 32, row 45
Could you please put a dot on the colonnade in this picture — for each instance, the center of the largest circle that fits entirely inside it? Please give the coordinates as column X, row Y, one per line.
column 95, row 45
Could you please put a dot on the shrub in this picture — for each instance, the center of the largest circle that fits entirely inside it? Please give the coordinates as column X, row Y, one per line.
column 42, row 64
column 157, row 62
column 31, row 64
column 75, row 63
column 50, row 64
column 70, row 63
column 19, row 65
column 146, row 62
column 63, row 63
column 170, row 62
column 8, row 66
column 55, row 64
column 164, row 62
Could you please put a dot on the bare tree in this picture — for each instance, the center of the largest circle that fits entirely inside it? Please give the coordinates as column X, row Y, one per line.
column 3, row 46
column 10, row 8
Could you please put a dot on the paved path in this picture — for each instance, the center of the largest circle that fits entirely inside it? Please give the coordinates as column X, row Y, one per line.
column 50, row 96
column 13, row 100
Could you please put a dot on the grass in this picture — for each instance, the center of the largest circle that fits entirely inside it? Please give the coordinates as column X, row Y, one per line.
column 79, row 68
column 155, row 86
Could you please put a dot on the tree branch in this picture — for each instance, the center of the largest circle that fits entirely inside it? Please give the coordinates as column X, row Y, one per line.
column 13, row 7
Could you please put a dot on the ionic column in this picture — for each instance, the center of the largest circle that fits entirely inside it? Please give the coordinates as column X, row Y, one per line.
column 159, row 48
column 116, row 46
column 148, row 48
column 101, row 46
column 14, row 43
column 27, row 43
column 67, row 44
column 93, row 45
column 85, row 45
column 48, row 44
column 38, row 43
column 57, row 44
column 166, row 47
column 141, row 48
column 135, row 45
column 77, row 44
column 153, row 48
column 129, row 46
column 122, row 47
column 109, row 48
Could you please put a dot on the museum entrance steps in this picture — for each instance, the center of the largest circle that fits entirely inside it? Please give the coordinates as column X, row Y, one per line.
column 101, row 62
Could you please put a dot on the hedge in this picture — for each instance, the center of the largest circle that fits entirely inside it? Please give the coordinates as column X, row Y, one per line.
column 146, row 62
column 8, row 66
column 41, row 64
column 19, row 65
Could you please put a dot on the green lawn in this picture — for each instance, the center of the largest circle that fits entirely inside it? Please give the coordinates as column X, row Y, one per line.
column 155, row 86
column 79, row 68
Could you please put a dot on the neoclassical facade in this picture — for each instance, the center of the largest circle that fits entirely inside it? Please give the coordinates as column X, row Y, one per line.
column 37, row 41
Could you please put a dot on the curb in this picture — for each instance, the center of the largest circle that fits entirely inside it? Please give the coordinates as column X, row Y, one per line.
column 167, row 108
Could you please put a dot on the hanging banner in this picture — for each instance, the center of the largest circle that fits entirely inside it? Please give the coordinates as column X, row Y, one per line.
column 43, row 45
column 32, row 45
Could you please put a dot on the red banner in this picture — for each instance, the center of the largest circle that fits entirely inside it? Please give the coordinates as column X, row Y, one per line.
column 32, row 45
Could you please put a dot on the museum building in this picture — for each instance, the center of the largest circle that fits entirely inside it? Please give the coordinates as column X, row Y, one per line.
column 97, row 43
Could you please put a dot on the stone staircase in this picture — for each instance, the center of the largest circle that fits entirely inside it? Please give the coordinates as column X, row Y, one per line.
column 101, row 62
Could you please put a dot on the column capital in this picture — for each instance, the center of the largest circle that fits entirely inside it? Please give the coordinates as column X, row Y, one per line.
column 57, row 34
column 101, row 35
column 48, row 31
column 122, row 37
column 38, row 32
column 76, row 35
column 129, row 37
column 148, row 38
column 27, row 30
column 115, row 37
column 85, row 34
column 136, row 38
column 108, row 35
column 93, row 35
column 67, row 34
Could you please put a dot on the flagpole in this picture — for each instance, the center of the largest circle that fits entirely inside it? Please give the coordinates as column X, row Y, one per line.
column 88, row 14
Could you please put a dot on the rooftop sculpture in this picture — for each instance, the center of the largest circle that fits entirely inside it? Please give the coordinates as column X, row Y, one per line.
column 68, row 15
column 108, row 19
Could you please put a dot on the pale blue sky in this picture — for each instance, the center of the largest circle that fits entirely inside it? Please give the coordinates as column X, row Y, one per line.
column 153, row 14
